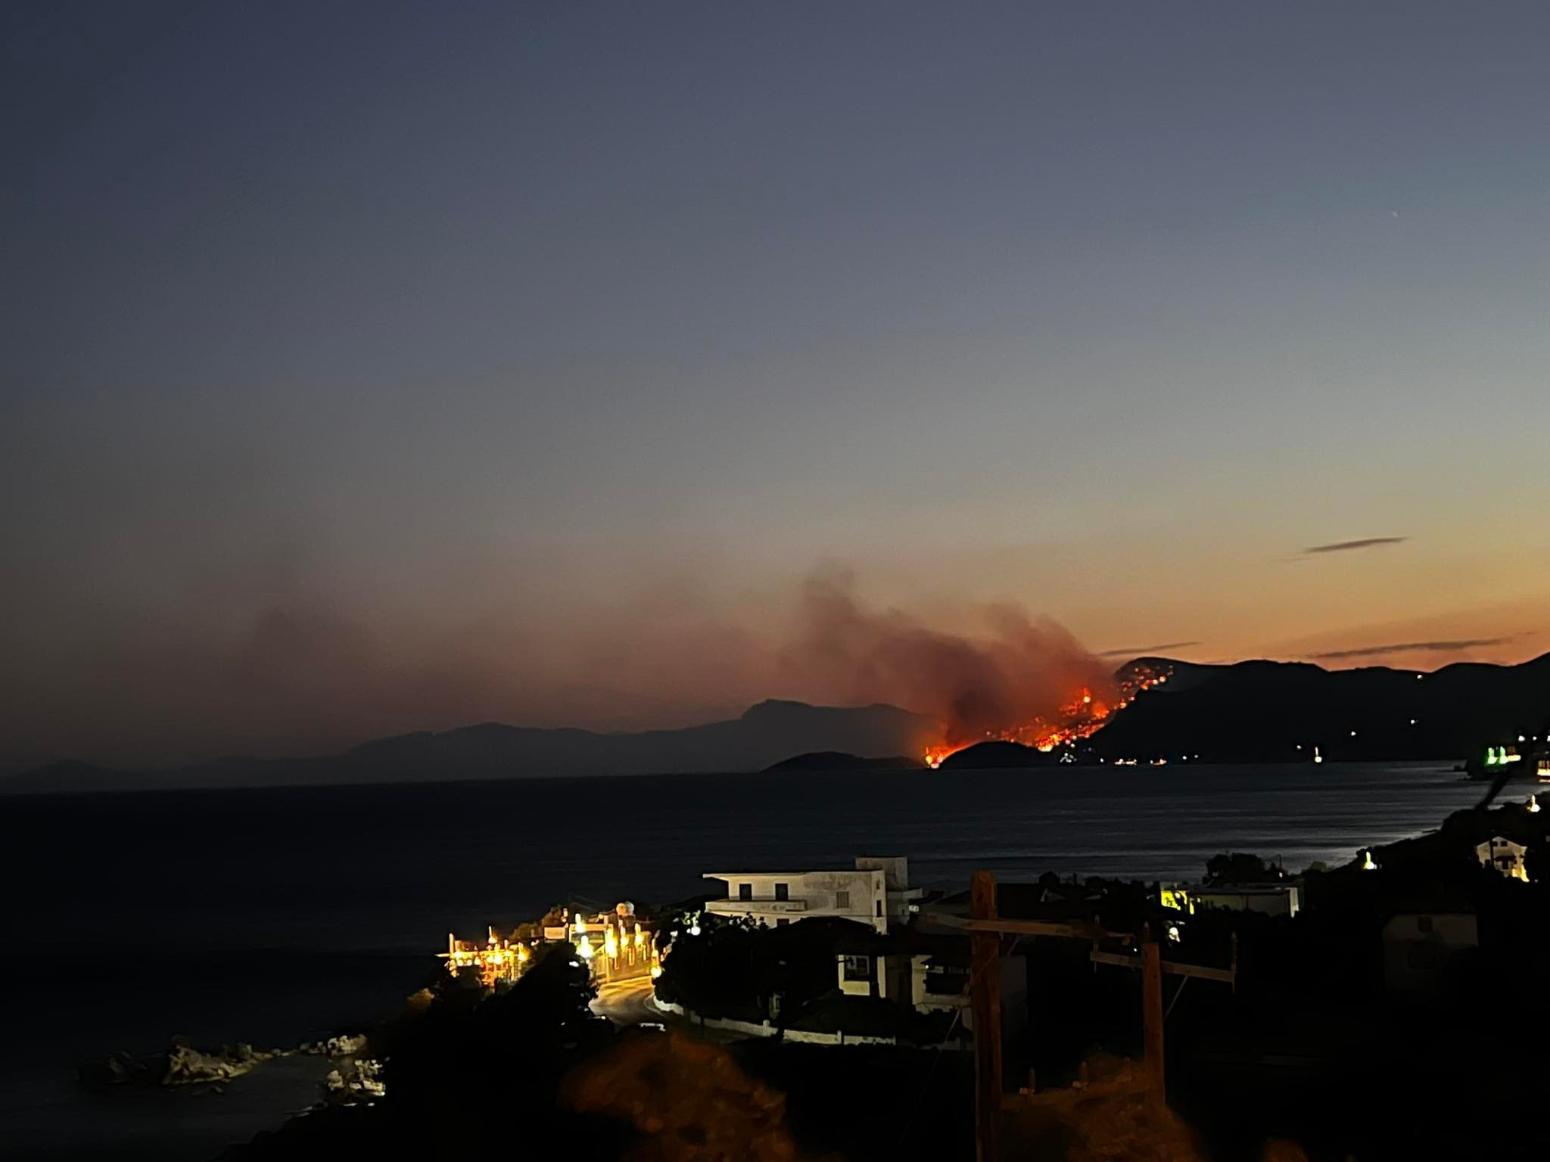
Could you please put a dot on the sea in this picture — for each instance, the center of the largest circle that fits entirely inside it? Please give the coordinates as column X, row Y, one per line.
column 278, row 915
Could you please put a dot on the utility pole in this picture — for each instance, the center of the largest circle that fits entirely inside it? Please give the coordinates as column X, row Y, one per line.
column 985, row 929
column 1152, row 1014
column 985, row 1000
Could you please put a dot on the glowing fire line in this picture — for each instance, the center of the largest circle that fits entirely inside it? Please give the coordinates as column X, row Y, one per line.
column 1080, row 718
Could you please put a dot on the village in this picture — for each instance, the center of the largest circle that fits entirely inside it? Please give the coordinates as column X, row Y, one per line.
column 1253, row 998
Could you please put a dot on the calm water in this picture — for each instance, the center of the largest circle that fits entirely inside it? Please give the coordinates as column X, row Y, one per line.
column 276, row 915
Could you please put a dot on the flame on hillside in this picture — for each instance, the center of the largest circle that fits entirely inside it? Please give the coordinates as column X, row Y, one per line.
column 1026, row 679
column 1081, row 717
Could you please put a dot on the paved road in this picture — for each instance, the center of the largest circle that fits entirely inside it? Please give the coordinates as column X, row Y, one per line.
column 629, row 1002
column 632, row 1002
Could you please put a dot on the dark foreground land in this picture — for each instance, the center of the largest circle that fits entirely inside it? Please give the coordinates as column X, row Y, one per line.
column 1338, row 1042
column 286, row 915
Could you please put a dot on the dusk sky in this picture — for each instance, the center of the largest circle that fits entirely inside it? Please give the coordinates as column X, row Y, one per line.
column 372, row 367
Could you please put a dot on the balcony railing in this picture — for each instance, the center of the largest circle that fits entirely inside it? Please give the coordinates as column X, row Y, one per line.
column 757, row 904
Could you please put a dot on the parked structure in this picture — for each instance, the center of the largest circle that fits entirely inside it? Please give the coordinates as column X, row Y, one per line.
column 876, row 893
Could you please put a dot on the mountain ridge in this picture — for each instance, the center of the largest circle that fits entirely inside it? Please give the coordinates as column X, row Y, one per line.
column 1255, row 710
column 1259, row 710
column 765, row 733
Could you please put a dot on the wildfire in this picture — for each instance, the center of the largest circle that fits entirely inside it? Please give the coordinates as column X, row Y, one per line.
column 1079, row 718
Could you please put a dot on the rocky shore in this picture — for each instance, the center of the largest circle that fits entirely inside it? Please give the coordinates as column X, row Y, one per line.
column 185, row 1065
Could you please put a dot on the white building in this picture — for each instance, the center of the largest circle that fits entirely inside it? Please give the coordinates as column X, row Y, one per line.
column 1505, row 856
column 876, row 893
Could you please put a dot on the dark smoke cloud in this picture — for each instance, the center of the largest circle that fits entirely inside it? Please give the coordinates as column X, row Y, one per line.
column 1145, row 651
column 293, row 672
column 270, row 659
column 1021, row 668
column 1444, row 646
column 1349, row 546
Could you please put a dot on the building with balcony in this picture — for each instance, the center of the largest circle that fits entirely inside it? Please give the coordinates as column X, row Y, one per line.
column 875, row 892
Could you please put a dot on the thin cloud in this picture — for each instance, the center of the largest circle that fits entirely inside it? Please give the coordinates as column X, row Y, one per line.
column 1143, row 651
column 1445, row 646
column 1348, row 546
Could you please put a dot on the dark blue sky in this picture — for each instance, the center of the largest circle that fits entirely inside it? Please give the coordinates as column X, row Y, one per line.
column 373, row 366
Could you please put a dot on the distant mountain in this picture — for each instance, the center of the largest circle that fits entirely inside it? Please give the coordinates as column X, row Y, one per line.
column 764, row 734
column 830, row 760
column 1247, row 712
column 1279, row 711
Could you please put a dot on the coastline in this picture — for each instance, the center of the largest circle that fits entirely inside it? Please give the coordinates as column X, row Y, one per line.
column 258, row 937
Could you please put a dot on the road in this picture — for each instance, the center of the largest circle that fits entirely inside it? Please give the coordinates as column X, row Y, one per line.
column 632, row 1002
column 629, row 1002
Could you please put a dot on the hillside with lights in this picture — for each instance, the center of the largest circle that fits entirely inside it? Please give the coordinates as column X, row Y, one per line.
column 1263, row 711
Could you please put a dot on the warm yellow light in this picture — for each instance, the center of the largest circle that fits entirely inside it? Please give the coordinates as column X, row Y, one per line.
column 584, row 949
column 610, row 942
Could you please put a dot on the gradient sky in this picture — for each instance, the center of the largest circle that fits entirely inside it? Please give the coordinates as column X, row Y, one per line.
column 371, row 367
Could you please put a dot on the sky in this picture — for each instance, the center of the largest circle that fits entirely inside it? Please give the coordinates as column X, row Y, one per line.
column 370, row 367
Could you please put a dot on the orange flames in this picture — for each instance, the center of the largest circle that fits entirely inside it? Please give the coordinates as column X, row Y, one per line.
column 1081, row 717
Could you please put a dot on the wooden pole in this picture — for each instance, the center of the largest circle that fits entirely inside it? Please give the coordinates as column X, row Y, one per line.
column 985, row 995
column 1152, row 1014
column 985, row 1000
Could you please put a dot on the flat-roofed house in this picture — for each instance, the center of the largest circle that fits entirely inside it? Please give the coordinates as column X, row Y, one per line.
column 875, row 892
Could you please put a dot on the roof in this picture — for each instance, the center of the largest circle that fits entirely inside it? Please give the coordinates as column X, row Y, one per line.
column 812, row 871
column 1276, row 889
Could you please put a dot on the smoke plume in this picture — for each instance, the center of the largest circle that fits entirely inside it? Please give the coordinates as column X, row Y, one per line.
column 1020, row 669
column 275, row 661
